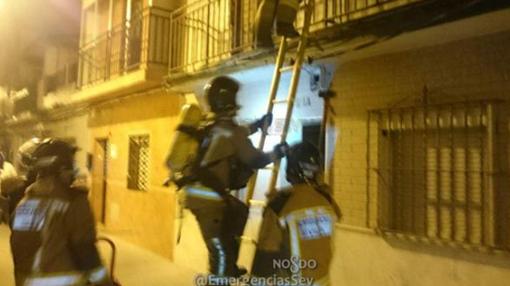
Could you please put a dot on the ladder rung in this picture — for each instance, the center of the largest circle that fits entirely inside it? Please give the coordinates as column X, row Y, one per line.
column 287, row 68
column 258, row 203
column 278, row 101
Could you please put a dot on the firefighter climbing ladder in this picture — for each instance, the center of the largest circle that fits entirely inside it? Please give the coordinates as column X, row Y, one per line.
column 296, row 72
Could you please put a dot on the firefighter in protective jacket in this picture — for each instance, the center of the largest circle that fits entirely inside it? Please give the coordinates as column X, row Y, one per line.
column 53, row 229
column 227, row 159
column 12, row 188
column 295, row 239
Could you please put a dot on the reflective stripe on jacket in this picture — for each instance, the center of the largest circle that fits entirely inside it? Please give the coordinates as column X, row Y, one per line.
column 96, row 276
column 53, row 235
column 298, row 225
column 63, row 279
column 200, row 191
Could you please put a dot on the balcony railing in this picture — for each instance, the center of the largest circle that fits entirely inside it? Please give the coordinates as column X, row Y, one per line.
column 205, row 32
column 141, row 41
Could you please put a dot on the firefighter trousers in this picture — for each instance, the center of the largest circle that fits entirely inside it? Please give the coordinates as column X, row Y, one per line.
column 222, row 221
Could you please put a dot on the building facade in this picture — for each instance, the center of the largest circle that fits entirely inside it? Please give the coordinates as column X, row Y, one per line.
column 105, row 94
column 417, row 134
column 416, row 141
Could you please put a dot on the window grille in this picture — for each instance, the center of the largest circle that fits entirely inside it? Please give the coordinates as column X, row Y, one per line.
column 434, row 172
column 138, row 163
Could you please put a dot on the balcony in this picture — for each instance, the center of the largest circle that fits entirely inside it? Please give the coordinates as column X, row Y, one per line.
column 130, row 57
column 141, row 43
column 205, row 33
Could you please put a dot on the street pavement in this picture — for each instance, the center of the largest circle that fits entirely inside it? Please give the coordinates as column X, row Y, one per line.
column 134, row 266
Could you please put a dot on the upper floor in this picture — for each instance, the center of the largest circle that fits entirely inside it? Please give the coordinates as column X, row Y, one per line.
column 209, row 34
column 126, row 46
column 38, row 54
column 123, row 47
column 204, row 33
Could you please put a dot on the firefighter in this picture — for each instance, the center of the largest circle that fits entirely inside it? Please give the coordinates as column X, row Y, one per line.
column 226, row 161
column 6, row 168
column 13, row 187
column 53, row 229
column 284, row 12
column 295, row 239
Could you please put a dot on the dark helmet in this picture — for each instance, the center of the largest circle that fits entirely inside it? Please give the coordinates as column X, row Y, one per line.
column 303, row 163
column 53, row 154
column 220, row 93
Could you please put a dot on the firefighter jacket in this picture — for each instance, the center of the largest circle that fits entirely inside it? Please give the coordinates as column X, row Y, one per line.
column 230, row 157
column 53, row 237
column 296, row 236
column 12, row 190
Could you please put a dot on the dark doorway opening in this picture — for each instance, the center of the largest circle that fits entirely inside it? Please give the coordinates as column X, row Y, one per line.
column 312, row 132
column 99, row 179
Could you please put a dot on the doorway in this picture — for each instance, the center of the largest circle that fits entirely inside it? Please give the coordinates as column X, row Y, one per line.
column 313, row 133
column 99, row 178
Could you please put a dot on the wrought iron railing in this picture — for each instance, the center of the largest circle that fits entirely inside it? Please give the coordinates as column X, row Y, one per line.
column 143, row 40
column 434, row 174
column 205, row 32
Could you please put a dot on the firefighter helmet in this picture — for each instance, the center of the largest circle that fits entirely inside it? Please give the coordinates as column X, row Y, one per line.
column 221, row 93
column 26, row 151
column 303, row 163
column 53, row 154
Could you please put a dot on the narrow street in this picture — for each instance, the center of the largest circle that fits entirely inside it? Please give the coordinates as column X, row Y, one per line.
column 355, row 142
column 135, row 266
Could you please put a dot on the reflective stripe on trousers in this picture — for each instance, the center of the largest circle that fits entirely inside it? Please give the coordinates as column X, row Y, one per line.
column 221, row 256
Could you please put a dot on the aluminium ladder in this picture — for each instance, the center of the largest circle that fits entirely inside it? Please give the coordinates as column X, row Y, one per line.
column 296, row 72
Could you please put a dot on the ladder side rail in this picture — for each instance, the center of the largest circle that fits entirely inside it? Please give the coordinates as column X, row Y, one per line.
column 272, row 95
column 293, row 90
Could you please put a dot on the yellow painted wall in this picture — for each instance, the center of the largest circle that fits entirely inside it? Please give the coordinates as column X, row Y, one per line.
column 470, row 69
column 142, row 217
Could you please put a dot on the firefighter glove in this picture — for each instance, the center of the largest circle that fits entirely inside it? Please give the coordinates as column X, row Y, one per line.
column 280, row 150
column 264, row 122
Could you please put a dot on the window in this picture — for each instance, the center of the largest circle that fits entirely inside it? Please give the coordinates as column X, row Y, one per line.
column 138, row 163
column 435, row 172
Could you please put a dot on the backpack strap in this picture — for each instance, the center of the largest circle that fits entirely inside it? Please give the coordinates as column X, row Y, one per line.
column 196, row 133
